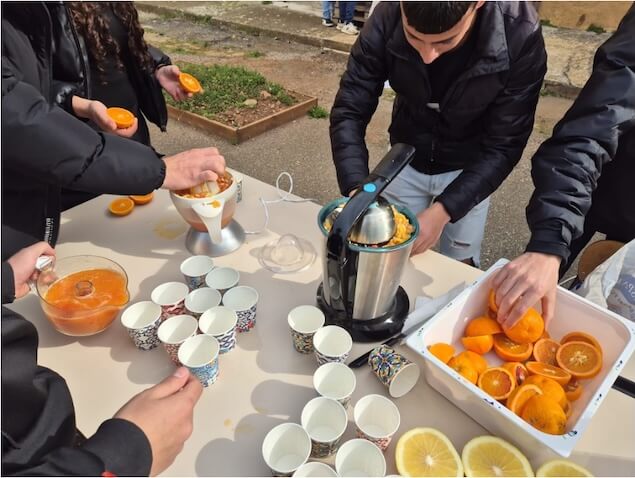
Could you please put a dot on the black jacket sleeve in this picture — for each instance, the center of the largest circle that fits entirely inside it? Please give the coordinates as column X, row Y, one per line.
column 566, row 167
column 158, row 57
column 84, row 159
column 8, row 283
column 508, row 124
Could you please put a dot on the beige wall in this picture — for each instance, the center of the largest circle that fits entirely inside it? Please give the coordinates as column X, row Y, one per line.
column 582, row 14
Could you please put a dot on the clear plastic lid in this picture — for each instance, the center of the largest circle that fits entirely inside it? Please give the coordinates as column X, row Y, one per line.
column 288, row 253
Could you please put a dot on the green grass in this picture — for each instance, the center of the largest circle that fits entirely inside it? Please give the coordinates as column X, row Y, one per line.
column 595, row 28
column 254, row 54
column 318, row 112
column 226, row 87
column 546, row 23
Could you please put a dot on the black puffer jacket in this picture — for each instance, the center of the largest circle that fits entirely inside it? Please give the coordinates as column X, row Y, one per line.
column 595, row 137
column 486, row 115
column 43, row 147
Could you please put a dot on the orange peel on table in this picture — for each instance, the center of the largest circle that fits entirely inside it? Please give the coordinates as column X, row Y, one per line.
column 142, row 199
column 121, row 206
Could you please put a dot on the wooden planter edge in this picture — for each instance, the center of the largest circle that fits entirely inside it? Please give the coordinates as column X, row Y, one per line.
column 243, row 133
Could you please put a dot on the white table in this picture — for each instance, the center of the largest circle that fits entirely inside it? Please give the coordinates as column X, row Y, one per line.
column 263, row 382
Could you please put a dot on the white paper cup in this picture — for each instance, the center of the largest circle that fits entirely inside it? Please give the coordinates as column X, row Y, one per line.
column 377, row 419
column 171, row 297
column 220, row 322
column 304, row 321
column 200, row 354
column 222, row 279
column 243, row 300
column 202, row 299
column 286, row 448
column 335, row 380
column 315, row 468
column 195, row 269
column 332, row 344
column 360, row 457
column 325, row 421
column 142, row 321
column 173, row 332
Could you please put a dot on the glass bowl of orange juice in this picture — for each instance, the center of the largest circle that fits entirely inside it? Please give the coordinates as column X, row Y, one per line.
column 83, row 295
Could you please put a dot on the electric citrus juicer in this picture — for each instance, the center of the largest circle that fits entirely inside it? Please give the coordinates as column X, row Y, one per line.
column 361, row 273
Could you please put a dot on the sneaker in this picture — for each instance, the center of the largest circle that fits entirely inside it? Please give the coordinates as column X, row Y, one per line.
column 340, row 25
column 350, row 29
column 327, row 23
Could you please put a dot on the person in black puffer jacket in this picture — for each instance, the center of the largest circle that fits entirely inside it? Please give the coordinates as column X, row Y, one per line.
column 584, row 177
column 467, row 78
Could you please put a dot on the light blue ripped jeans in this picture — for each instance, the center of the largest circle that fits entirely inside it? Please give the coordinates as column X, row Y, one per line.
column 416, row 191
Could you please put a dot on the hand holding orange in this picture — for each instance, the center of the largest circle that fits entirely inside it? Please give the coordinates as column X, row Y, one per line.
column 189, row 83
column 121, row 116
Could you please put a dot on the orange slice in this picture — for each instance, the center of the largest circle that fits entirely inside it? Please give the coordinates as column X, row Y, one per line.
column 528, row 329
column 549, row 371
column 518, row 371
column 544, row 414
column 491, row 301
column 464, row 367
column 442, row 351
column 479, row 363
column 497, row 382
column 122, row 117
column 549, row 387
column 189, row 83
column 510, row 351
column 545, row 351
column 121, row 206
column 580, row 359
column 482, row 326
column 573, row 389
column 519, row 396
column 480, row 344
column 144, row 199
column 581, row 337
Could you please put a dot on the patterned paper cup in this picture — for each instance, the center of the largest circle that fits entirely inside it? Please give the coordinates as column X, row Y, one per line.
column 286, row 448
column 222, row 279
column 195, row 269
column 394, row 370
column 171, row 297
column 220, row 322
column 304, row 321
column 200, row 354
column 315, row 468
column 243, row 300
column 325, row 421
column 377, row 419
column 200, row 300
column 360, row 458
column 336, row 381
column 174, row 331
column 142, row 321
column 332, row 344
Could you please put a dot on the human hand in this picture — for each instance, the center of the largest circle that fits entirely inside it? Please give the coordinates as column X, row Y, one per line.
column 23, row 265
column 168, row 78
column 165, row 414
column 431, row 224
column 523, row 282
column 97, row 112
column 191, row 168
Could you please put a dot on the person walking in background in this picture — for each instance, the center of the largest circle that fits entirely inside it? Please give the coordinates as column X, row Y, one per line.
column 347, row 12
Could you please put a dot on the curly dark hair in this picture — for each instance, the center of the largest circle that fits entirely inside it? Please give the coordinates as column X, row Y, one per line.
column 91, row 23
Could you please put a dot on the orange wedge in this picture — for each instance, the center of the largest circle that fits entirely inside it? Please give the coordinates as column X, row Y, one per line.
column 581, row 337
column 545, row 414
column 497, row 382
column 573, row 389
column 121, row 206
column 479, row 363
column 122, row 117
column 549, row 387
column 189, row 83
column 545, row 351
column 518, row 371
column 549, row 371
column 580, row 359
column 144, row 199
column 464, row 367
column 491, row 301
column 510, row 351
column 442, row 351
column 519, row 396
column 480, row 344
column 482, row 326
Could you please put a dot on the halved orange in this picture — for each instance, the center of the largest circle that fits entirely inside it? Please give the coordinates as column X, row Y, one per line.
column 464, row 367
column 491, row 301
column 580, row 359
column 142, row 199
column 545, row 351
column 121, row 116
column 482, row 326
column 545, row 414
column 509, row 350
column 518, row 371
column 481, row 344
column 549, row 387
column 581, row 337
column 480, row 364
column 442, row 351
column 528, row 329
column 497, row 382
column 573, row 389
column 549, row 371
column 519, row 396
column 121, row 206
column 189, row 83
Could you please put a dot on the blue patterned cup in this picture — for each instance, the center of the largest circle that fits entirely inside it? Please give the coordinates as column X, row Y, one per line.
column 242, row 300
column 171, row 297
column 174, row 331
column 222, row 279
column 325, row 421
column 195, row 269
column 304, row 321
column 394, row 370
column 200, row 354
column 200, row 300
column 332, row 344
column 142, row 321
column 220, row 322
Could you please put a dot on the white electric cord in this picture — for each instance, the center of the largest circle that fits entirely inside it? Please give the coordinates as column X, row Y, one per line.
column 284, row 196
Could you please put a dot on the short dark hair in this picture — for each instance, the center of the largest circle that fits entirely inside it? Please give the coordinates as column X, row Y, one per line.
column 434, row 17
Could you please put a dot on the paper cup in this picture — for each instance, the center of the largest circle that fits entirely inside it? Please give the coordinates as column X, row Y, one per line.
column 332, row 344
column 377, row 419
column 222, row 279
column 171, row 297
column 200, row 300
column 243, row 300
column 325, row 421
column 360, row 458
column 315, row 468
column 142, row 321
column 394, row 370
column 286, row 448
column 195, row 269
column 336, row 381
column 174, row 331
column 220, row 322
column 304, row 322
column 200, row 354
